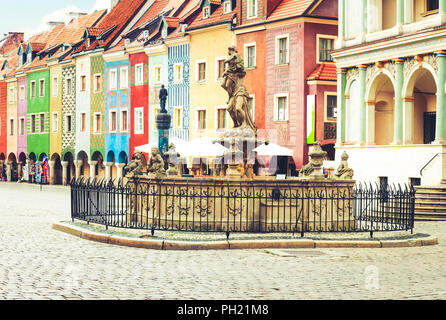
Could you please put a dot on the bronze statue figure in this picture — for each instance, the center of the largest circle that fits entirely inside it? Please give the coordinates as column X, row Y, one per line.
column 155, row 166
column 135, row 167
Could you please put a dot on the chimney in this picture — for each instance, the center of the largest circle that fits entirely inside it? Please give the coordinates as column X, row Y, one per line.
column 52, row 24
column 75, row 15
column 113, row 4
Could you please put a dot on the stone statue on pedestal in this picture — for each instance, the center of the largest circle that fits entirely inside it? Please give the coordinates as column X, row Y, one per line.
column 344, row 172
column 135, row 167
column 155, row 166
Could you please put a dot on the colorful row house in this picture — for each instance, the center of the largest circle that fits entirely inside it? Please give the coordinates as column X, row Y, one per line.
column 391, row 89
column 88, row 92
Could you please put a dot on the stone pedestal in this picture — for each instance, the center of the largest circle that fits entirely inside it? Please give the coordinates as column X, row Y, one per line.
column 120, row 167
column 65, row 173
column 108, row 166
column 9, row 171
column 78, row 164
column 92, row 169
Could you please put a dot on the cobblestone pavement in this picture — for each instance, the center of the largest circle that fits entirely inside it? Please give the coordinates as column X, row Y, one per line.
column 37, row 262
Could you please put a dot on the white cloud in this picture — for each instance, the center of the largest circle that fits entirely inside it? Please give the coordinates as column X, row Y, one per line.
column 101, row 4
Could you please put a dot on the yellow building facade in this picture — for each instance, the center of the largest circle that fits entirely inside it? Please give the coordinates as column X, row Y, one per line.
column 208, row 100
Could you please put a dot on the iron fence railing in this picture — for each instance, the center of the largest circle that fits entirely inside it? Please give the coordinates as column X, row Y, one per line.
column 210, row 206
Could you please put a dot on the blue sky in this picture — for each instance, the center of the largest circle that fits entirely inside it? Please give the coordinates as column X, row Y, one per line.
column 30, row 16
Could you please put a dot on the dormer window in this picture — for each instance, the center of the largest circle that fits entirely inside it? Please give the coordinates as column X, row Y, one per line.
column 227, row 7
column 88, row 42
column 164, row 33
column 206, row 12
column 127, row 42
column 29, row 58
column 183, row 27
column 145, row 34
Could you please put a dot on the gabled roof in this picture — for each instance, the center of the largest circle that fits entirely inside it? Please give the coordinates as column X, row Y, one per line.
column 290, row 8
column 325, row 71
column 217, row 17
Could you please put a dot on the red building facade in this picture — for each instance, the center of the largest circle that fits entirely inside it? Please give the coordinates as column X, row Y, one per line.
column 292, row 39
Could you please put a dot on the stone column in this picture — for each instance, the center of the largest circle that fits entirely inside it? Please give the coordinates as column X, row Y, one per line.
column 64, row 173
column 370, row 137
column 51, row 164
column 78, row 164
column 8, row 171
column 20, row 171
column 108, row 166
column 398, row 109
column 362, row 104
column 120, row 167
column 408, row 11
column 441, row 99
column 92, row 169
column 363, row 19
column 400, row 14
column 342, row 82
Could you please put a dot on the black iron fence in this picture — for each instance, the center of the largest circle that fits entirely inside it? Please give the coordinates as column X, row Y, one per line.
column 225, row 206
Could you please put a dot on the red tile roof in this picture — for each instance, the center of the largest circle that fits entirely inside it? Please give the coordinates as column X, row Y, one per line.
column 290, row 8
column 325, row 71
column 172, row 22
column 95, row 32
column 216, row 17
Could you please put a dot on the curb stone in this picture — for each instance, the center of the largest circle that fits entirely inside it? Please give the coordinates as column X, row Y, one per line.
column 238, row 244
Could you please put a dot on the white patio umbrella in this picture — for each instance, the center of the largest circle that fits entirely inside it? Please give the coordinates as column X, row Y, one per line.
column 273, row 150
column 147, row 148
column 204, row 148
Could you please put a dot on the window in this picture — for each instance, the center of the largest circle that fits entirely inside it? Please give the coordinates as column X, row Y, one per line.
column 68, row 123
column 178, row 73
column 124, row 121
column 432, row 5
column 221, row 118
column 281, row 108
column 113, row 80
column 83, row 122
column 33, row 89
column 97, row 123
column 33, row 123
column 83, row 83
column 11, row 127
column 178, row 118
column 139, row 120
column 11, row 95
column 97, row 83
column 22, row 126
column 282, row 52
column 124, row 78
column 201, row 72
column 55, row 122
column 331, row 107
column 220, row 68
column 252, row 9
column 201, row 119
column 22, row 93
column 206, row 12
column 139, row 74
column 113, row 119
column 29, row 57
column 68, row 86
column 250, row 54
column 42, row 123
column 41, row 88
column 55, row 87
column 145, row 34
column 157, row 73
column 127, row 42
column 326, row 45
column 227, row 7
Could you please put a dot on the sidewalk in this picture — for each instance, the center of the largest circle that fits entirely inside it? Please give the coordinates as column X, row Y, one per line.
column 169, row 240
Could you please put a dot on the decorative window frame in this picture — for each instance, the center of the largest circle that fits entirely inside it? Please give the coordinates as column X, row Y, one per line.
column 24, row 126
column 121, row 120
column 217, row 67
column 97, row 130
column 197, row 69
column 217, row 109
column 276, row 107
column 31, row 116
column 55, row 87
column 81, row 122
column 22, row 89
column 81, row 77
column 113, row 85
column 324, row 36
column 123, row 84
column 197, row 112
column 110, row 128
column 41, row 87
column 137, row 129
column 326, row 94
column 277, row 53
column 54, row 129
column 40, row 122
column 248, row 16
column 160, row 80
column 11, row 94
column 33, row 93
column 246, row 51
column 206, row 12
column 139, row 67
column 95, row 87
column 227, row 4
column 174, row 117
column 69, row 86
column 175, row 79
column 11, row 127
column 68, row 121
